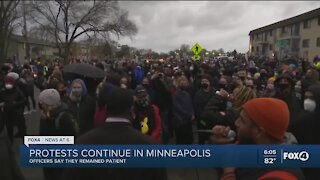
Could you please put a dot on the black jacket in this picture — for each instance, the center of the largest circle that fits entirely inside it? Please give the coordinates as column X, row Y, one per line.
column 60, row 122
column 14, row 101
column 83, row 112
column 182, row 108
column 115, row 133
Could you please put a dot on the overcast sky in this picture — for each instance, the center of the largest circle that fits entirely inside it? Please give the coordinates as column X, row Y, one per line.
column 165, row 25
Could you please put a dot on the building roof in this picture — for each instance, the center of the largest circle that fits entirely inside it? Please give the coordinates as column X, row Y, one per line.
column 293, row 20
column 20, row 38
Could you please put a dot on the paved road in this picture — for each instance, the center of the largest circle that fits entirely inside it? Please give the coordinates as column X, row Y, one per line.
column 32, row 122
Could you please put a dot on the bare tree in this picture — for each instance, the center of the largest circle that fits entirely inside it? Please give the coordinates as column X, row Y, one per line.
column 8, row 18
column 68, row 20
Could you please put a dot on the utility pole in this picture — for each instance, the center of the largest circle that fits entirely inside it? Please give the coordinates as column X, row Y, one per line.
column 25, row 32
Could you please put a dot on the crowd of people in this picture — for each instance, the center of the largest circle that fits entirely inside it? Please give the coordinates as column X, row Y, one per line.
column 265, row 101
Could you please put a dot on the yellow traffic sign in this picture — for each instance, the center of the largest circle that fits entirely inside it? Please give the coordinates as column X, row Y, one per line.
column 196, row 57
column 196, row 48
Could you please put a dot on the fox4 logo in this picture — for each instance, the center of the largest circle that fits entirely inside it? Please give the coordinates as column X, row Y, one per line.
column 301, row 156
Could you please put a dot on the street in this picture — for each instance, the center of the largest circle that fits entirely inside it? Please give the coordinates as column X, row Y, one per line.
column 33, row 122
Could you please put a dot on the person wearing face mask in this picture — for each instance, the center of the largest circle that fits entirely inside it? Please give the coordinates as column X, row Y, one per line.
column 183, row 112
column 285, row 91
column 201, row 99
column 81, row 105
column 306, row 127
column 269, row 90
column 147, row 116
column 12, row 107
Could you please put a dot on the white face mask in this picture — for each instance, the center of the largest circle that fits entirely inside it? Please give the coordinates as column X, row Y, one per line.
column 309, row 105
column 9, row 86
column 270, row 86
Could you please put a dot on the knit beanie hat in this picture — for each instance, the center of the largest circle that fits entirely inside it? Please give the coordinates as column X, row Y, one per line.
column 14, row 75
column 9, row 80
column 270, row 113
column 50, row 97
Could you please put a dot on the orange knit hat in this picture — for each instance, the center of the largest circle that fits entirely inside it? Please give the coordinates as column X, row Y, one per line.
column 270, row 113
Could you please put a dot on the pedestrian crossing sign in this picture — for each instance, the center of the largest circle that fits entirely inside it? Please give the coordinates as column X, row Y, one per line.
column 196, row 49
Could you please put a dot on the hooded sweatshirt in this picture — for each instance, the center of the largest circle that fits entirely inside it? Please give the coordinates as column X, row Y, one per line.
column 82, row 108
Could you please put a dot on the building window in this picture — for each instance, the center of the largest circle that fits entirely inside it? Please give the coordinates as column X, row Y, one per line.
column 318, row 42
column 295, row 44
column 319, row 20
column 252, row 49
column 307, row 24
column 257, row 48
column 270, row 47
column 305, row 43
column 252, row 37
column 271, row 33
column 283, row 30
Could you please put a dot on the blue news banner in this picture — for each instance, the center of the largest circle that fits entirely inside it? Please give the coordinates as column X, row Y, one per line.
column 120, row 156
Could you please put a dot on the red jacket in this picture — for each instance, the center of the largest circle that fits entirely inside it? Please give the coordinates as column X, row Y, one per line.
column 155, row 131
column 100, row 116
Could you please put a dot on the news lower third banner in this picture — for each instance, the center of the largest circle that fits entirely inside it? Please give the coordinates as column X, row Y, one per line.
column 60, row 152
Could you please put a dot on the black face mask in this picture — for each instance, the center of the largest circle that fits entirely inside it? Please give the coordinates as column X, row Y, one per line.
column 223, row 86
column 204, row 85
column 283, row 86
column 62, row 93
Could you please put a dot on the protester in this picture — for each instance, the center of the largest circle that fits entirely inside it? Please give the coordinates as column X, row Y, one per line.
column 284, row 86
column 55, row 121
column 81, row 105
column 256, row 125
column 13, row 105
column 147, row 119
column 200, row 101
column 27, row 75
column 9, row 168
column 118, row 129
column 240, row 96
column 183, row 113
column 162, row 85
column 306, row 128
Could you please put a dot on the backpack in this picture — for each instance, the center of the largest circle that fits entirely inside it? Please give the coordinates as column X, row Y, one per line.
column 75, row 124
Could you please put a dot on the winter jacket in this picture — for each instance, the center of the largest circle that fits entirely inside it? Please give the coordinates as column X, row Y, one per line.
column 182, row 108
column 9, row 168
column 200, row 101
column 153, row 124
column 60, row 122
column 83, row 110
column 306, row 129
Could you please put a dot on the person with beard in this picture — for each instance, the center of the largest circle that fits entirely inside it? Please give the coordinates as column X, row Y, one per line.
column 13, row 106
column 306, row 128
column 183, row 112
column 147, row 119
column 200, row 101
column 262, row 121
column 81, row 105
column 242, row 74
column 55, row 121
column 284, row 87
